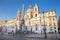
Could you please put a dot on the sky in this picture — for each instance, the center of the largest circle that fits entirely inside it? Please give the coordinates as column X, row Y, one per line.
column 9, row 8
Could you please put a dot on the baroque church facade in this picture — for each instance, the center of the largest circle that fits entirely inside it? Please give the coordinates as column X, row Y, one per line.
column 32, row 20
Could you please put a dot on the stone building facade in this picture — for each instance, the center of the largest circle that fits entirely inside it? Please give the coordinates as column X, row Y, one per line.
column 34, row 21
column 11, row 25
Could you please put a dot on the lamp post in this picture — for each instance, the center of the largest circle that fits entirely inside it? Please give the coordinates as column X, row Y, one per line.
column 44, row 27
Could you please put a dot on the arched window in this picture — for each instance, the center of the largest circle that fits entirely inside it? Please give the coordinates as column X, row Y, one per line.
column 54, row 24
column 53, row 19
column 35, row 15
column 31, row 15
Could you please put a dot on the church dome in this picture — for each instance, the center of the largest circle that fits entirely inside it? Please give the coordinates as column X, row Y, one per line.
column 30, row 8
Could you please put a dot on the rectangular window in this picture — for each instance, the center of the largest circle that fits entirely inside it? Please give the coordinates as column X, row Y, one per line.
column 52, row 13
column 54, row 24
column 31, row 15
column 35, row 15
column 53, row 19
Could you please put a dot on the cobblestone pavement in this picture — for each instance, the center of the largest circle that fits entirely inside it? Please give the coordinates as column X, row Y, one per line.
column 23, row 37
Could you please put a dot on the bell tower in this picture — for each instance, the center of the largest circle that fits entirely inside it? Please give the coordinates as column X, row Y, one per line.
column 35, row 8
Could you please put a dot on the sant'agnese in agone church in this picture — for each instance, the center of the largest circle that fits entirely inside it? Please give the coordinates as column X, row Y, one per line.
column 32, row 20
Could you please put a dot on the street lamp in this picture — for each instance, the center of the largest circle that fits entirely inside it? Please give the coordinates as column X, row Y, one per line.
column 44, row 27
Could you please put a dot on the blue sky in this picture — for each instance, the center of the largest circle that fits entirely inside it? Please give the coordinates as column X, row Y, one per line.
column 9, row 8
